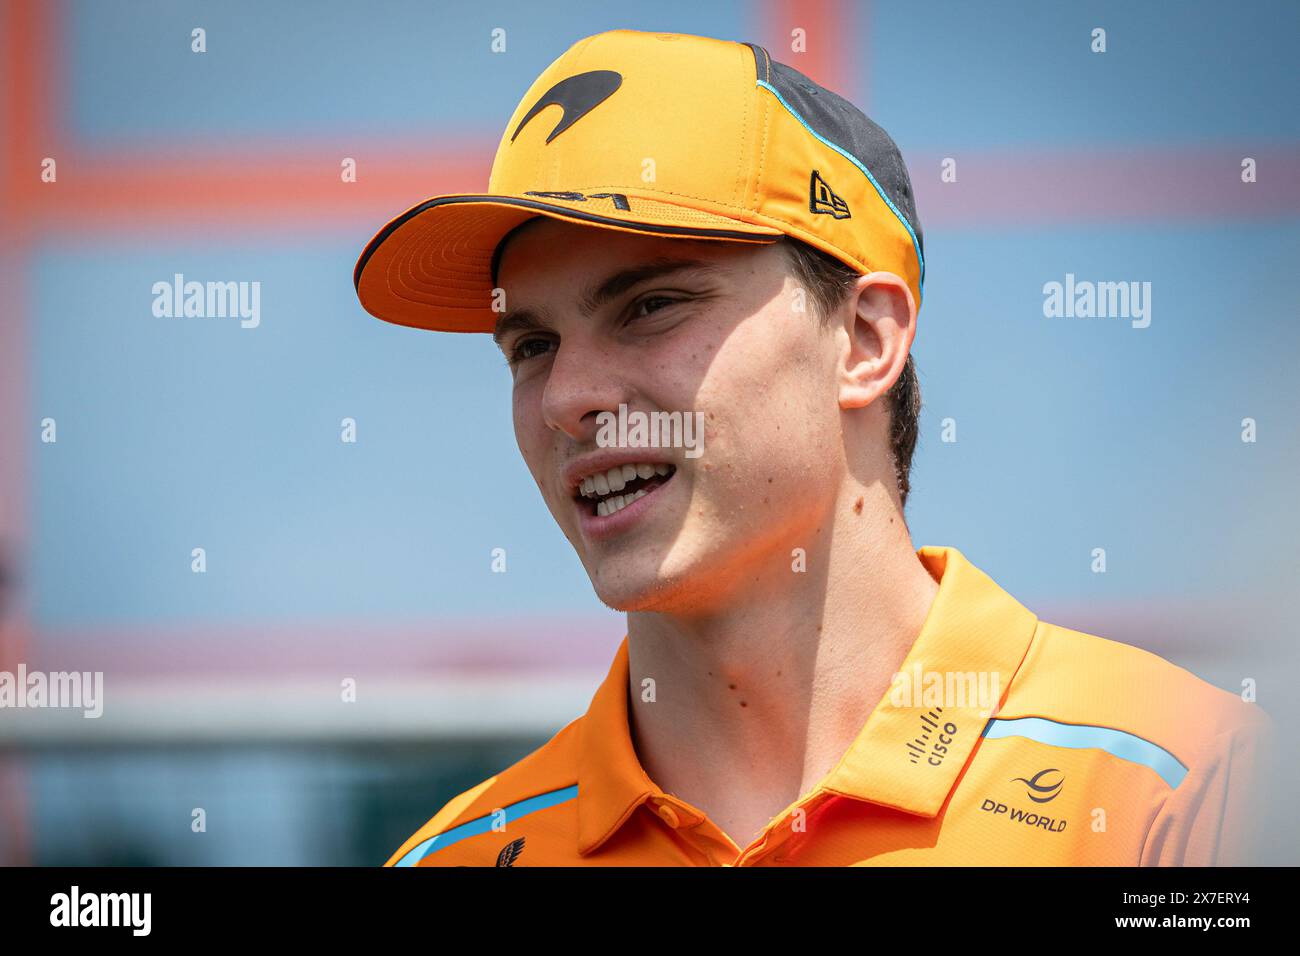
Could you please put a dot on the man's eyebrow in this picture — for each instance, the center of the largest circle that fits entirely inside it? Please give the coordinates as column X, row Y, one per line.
column 523, row 319
column 618, row 283
column 610, row 287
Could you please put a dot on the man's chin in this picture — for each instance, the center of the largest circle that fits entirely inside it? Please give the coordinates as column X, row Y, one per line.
column 630, row 586
column 627, row 595
column 621, row 586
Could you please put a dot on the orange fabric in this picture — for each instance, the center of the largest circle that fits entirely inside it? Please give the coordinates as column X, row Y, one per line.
column 1090, row 752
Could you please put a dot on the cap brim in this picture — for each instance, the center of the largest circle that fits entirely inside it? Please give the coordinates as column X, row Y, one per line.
column 431, row 267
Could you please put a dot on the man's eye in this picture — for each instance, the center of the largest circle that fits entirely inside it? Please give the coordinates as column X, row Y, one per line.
column 636, row 308
column 526, row 349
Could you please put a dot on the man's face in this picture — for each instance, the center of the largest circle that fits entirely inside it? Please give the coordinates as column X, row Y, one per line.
column 595, row 319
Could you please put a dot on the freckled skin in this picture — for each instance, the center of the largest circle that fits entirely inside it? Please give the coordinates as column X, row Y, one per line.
column 730, row 346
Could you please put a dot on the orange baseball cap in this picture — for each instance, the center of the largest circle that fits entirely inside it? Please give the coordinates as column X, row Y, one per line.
column 656, row 133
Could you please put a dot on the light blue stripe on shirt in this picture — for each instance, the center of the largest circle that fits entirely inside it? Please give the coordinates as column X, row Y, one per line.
column 1117, row 743
column 484, row 824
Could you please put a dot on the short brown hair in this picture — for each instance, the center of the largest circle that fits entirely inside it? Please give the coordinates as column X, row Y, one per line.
column 828, row 281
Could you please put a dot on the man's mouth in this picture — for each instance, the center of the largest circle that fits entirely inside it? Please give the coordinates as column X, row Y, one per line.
column 607, row 492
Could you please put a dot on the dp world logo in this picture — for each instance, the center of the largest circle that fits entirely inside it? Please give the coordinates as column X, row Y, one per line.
column 1041, row 787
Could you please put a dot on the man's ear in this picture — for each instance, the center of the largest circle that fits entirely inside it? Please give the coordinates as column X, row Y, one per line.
column 881, row 323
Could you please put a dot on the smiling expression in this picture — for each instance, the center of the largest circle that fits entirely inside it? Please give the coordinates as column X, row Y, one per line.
column 599, row 318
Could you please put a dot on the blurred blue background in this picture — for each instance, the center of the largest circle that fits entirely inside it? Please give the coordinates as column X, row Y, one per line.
column 371, row 561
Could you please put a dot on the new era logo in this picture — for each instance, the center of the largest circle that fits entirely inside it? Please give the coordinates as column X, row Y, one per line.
column 822, row 199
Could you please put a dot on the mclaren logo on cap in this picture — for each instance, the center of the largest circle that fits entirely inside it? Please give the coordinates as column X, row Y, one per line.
column 821, row 199
column 577, row 96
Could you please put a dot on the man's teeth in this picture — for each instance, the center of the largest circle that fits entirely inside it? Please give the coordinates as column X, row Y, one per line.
column 617, row 503
column 616, row 478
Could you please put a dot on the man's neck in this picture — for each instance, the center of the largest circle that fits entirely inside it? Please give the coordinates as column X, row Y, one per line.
column 755, row 702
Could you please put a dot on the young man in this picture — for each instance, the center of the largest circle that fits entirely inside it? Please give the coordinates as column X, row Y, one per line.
column 681, row 229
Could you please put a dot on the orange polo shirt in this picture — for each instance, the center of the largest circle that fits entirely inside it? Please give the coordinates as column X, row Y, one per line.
column 1005, row 740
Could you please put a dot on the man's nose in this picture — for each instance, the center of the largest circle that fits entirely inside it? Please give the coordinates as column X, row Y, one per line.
column 583, row 382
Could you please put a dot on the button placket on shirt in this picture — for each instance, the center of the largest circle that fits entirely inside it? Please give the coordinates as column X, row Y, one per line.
column 757, row 853
column 674, row 815
column 774, row 846
column 769, row 848
column 682, row 820
column 669, row 815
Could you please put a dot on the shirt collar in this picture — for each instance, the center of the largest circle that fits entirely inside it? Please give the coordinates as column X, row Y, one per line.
column 974, row 629
column 611, row 781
